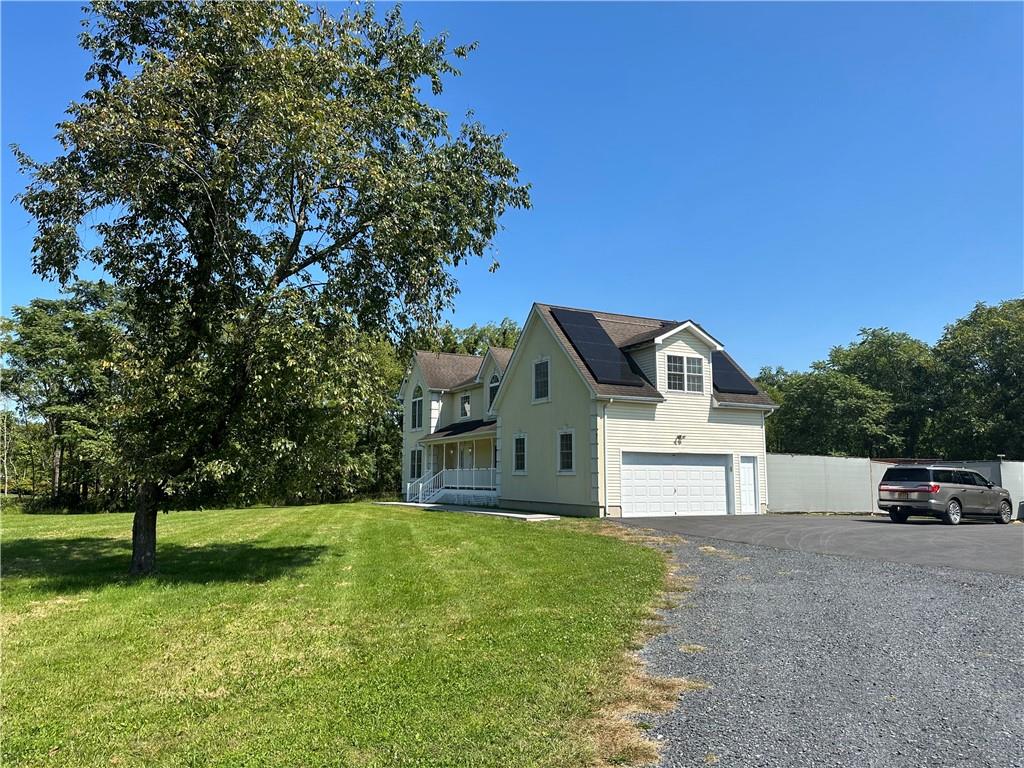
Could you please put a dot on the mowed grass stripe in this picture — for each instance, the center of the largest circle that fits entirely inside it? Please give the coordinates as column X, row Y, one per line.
column 336, row 635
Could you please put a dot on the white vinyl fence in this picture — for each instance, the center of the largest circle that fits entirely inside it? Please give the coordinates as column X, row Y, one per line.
column 837, row 484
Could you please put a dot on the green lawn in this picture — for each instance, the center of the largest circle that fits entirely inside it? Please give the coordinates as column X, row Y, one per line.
column 342, row 635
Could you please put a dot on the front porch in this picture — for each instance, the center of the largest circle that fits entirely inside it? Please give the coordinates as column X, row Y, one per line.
column 459, row 466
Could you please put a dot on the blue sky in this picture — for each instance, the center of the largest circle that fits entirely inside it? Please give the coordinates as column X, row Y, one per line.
column 783, row 174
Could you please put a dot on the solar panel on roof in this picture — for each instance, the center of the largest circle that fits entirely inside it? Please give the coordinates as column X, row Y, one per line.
column 728, row 378
column 603, row 359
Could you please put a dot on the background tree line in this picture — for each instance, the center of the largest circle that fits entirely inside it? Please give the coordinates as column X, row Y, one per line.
column 327, row 427
column 891, row 395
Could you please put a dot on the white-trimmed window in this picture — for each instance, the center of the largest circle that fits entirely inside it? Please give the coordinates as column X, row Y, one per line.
column 519, row 454
column 492, row 390
column 416, row 464
column 566, row 450
column 542, row 380
column 465, row 406
column 685, row 374
column 676, row 373
column 416, row 409
column 694, row 374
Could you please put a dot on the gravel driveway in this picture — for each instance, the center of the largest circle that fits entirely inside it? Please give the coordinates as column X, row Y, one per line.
column 819, row 660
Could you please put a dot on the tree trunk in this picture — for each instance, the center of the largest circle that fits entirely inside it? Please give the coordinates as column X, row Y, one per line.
column 144, row 531
column 58, row 460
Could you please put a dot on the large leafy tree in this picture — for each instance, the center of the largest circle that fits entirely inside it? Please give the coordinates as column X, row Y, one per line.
column 900, row 366
column 233, row 161
column 824, row 412
column 980, row 384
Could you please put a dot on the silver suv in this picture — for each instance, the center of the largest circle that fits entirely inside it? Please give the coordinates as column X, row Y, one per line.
column 944, row 492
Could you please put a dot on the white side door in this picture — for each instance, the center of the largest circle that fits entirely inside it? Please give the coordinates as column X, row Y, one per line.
column 748, row 485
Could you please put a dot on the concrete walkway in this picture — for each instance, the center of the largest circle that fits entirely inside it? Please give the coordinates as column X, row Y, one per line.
column 526, row 517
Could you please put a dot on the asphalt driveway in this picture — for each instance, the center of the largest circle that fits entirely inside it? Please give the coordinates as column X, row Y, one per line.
column 972, row 545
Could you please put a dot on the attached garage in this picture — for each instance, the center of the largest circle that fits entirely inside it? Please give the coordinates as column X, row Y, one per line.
column 666, row 484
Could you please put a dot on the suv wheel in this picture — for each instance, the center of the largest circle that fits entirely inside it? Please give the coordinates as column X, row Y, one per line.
column 1005, row 512
column 898, row 515
column 953, row 512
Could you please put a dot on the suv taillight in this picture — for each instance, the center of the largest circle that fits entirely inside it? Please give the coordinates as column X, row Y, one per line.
column 933, row 488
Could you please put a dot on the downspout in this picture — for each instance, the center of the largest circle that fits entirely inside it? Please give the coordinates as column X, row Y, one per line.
column 604, row 451
column 764, row 442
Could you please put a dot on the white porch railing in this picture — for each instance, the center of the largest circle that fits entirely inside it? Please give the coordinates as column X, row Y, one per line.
column 477, row 479
column 418, row 490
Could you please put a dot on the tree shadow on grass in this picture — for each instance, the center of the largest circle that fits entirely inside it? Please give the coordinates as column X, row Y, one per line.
column 69, row 565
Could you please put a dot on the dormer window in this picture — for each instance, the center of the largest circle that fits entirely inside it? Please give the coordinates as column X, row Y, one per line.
column 416, row 409
column 465, row 406
column 492, row 390
column 685, row 374
column 694, row 374
column 677, row 373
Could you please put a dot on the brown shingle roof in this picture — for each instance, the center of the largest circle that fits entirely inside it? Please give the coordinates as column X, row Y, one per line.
column 502, row 355
column 619, row 328
column 444, row 370
column 628, row 331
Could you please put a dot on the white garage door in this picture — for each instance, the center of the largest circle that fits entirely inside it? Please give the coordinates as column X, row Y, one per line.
column 663, row 484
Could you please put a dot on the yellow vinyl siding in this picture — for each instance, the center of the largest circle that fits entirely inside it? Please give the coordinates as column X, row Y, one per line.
column 489, row 370
column 569, row 408
column 646, row 358
column 684, row 423
column 410, row 436
column 450, row 405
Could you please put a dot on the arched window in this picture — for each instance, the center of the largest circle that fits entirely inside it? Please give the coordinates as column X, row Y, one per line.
column 416, row 417
column 493, row 390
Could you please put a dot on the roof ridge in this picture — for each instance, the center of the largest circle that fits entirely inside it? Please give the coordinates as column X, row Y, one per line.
column 450, row 354
column 614, row 314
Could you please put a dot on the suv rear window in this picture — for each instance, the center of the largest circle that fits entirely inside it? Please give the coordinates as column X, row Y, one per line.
column 907, row 475
column 944, row 476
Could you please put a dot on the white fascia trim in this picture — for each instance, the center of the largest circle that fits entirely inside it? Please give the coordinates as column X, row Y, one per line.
column 488, row 355
column 748, row 406
column 515, row 357
column 565, row 351
column 512, row 362
column 483, row 363
column 629, row 398
column 692, row 328
column 410, row 369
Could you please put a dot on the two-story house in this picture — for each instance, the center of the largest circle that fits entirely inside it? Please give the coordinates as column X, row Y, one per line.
column 591, row 414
